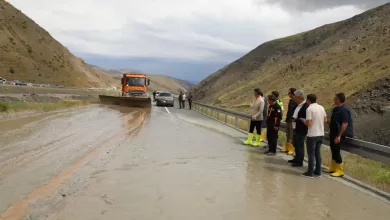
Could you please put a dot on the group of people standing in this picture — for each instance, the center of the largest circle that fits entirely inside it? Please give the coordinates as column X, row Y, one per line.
column 305, row 122
column 182, row 100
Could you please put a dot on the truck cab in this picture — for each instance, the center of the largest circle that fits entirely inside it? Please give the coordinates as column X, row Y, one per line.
column 134, row 84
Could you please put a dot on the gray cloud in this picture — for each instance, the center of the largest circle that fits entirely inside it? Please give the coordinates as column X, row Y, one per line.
column 313, row 5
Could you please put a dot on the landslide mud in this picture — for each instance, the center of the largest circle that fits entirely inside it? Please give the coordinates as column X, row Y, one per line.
column 48, row 152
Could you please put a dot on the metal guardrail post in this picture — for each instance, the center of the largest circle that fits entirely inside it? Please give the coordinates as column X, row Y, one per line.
column 362, row 148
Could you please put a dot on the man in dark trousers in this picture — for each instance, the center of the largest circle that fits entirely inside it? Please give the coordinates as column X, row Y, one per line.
column 315, row 119
column 300, row 129
column 273, row 122
column 340, row 128
column 180, row 100
column 190, row 101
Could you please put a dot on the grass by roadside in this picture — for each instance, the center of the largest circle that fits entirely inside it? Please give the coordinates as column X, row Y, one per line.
column 368, row 171
column 365, row 170
column 15, row 107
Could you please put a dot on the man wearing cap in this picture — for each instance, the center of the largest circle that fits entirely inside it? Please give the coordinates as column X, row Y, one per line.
column 273, row 123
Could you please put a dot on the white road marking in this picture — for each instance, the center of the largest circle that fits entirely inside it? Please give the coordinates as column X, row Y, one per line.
column 167, row 110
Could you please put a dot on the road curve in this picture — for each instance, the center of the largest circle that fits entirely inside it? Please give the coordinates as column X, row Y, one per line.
column 102, row 162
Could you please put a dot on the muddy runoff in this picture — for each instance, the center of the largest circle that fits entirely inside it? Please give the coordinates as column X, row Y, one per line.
column 120, row 163
column 38, row 157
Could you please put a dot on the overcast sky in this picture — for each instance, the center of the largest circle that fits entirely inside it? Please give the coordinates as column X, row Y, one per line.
column 185, row 31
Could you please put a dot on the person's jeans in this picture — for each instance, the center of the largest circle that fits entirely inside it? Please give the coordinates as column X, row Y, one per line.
column 299, row 145
column 313, row 145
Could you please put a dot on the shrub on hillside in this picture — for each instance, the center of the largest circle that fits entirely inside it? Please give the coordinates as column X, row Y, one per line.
column 3, row 107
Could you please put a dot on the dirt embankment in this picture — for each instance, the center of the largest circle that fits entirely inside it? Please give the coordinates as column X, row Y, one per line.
column 36, row 98
column 16, row 101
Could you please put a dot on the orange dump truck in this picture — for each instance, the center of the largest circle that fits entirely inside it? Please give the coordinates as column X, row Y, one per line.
column 133, row 93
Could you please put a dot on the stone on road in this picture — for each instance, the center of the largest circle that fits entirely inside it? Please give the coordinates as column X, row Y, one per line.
column 114, row 163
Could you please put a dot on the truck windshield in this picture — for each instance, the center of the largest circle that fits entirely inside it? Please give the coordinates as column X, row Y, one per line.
column 136, row 81
column 165, row 94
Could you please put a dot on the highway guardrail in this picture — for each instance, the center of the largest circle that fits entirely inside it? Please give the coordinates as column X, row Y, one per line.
column 240, row 121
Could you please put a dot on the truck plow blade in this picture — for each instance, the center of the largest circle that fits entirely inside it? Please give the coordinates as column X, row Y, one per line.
column 141, row 102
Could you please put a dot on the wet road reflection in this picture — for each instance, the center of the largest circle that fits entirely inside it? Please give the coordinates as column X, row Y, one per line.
column 119, row 163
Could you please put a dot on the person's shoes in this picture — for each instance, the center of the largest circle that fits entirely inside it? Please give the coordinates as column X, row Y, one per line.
column 257, row 142
column 290, row 149
column 339, row 171
column 249, row 140
column 317, row 175
column 332, row 167
column 297, row 164
column 262, row 135
column 306, row 174
column 291, row 161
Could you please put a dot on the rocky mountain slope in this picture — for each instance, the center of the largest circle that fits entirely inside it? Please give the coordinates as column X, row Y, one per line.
column 157, row 82
column 28, row 52
column 371, row 110
column 350, row 56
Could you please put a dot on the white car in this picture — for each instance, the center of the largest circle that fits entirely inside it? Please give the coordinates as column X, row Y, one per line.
column 3, row 81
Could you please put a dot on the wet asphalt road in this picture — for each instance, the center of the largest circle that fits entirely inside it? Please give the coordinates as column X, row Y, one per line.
column 118, row 163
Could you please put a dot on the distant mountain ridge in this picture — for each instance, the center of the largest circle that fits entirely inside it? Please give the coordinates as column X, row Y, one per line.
column 29, row 53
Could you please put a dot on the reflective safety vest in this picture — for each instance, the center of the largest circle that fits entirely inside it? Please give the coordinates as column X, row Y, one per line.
column 280, row 103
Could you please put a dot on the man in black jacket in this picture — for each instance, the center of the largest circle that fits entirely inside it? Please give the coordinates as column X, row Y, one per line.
column 288, row 147
column 273, row 122
column 300, row 129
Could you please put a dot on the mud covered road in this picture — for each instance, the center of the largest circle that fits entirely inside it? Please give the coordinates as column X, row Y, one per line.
column 101, row 162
